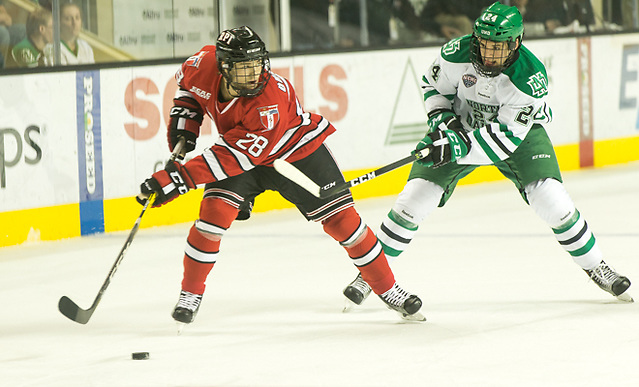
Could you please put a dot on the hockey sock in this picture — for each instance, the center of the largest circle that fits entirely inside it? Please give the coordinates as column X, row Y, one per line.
column 395, row 234
column 416, row 201
column 577, row 239
column 362, row 247
column 199, row 257
column 203, row 242
column 551, row 202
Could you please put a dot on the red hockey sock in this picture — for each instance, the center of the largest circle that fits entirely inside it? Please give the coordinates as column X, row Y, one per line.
column 195, row 274
column 362, row 246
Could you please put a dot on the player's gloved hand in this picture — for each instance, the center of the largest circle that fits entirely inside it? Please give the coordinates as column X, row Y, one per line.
column 184, row 122
column 443, row 119
column 446, row 146
column 167, row 184
column 446, row 138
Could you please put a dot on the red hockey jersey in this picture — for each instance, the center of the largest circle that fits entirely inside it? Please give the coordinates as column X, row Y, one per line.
column 252, row 131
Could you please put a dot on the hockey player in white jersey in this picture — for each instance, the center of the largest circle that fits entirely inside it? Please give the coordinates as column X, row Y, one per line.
column 485, row 96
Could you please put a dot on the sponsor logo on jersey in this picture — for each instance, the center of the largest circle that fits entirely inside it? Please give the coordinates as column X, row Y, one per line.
column 200, row 93
column 269, row 116
column 541, row 156
column 195, row 60
column 469, row 80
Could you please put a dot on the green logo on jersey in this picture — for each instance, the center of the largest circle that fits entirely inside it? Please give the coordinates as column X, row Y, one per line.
column 452, row 47
column 538, row 83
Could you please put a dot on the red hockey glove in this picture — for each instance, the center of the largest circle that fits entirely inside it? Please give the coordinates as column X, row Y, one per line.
column 167, row 184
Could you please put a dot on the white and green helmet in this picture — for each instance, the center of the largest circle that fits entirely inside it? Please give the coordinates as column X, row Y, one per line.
column 498, row 23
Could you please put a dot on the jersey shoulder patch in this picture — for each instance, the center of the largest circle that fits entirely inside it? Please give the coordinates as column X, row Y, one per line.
column 528, row 74
column 457, row 50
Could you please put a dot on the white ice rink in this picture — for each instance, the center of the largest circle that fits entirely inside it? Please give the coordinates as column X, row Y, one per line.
column 505, row 305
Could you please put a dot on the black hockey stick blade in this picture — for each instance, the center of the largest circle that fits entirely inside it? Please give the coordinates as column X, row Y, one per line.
column 70, row 309
column 287, row 170
column 73, row 312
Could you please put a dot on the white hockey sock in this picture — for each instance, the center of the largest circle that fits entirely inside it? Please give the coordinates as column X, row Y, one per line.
column 550, row 200
column 418, row 199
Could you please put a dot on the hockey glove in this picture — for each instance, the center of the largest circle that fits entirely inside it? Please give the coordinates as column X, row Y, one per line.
column 167, row 184
column 184, row 121
column 443, row 119
column 447, row 146
column 447, row 138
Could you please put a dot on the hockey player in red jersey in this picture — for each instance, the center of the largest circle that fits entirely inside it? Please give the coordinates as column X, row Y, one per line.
column 259, row 119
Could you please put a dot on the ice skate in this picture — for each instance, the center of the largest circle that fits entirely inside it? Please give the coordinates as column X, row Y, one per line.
column 609, row 280
column 401, row 301
column 186, row 308
column 356, row 292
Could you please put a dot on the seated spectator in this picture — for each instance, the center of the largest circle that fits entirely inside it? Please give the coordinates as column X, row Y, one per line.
column 407, row 25
column 10, row 33
column 30, row 51
column 73, row 49
column 558, row 16
column 452, row 18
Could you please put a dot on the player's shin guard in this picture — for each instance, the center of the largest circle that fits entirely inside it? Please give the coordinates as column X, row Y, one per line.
column 416, row 201
column 363, row 247
column 577, row 239
column 199, row 258
column 551, row 202
column 203, row 243
column 396, row 233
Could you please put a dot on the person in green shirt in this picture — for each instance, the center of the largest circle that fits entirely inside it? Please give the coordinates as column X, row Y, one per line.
column 30, row 51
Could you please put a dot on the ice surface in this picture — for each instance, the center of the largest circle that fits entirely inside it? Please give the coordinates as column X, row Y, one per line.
column 505, row 305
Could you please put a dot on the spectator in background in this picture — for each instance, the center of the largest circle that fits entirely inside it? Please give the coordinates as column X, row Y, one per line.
column 452, row 18
column 10, row 33
column 73, row 49
column 557, row 17
column 542, row 16
column 407, row 25
column 30, row 51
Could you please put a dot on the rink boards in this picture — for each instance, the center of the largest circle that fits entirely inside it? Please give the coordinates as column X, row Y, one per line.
column 75, row 145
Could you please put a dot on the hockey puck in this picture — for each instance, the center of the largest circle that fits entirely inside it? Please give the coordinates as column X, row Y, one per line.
column 140, row 355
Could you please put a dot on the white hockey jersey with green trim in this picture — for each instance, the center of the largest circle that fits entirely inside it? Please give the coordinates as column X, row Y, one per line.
column 498, row 111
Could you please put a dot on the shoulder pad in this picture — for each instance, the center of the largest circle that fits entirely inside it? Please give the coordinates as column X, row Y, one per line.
column 457, row 50
column 528, row 74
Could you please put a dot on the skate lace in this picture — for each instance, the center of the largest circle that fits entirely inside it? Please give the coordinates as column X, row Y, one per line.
column 604, row 275
column 395, row 296
column 361, row 285
column 189, row 300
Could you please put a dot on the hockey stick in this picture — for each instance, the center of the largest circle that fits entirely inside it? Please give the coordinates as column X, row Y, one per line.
column 287, row 170
column 69, row 308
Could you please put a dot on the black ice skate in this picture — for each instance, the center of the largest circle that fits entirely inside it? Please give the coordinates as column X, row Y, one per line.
column 401, row 301
column 609, row 280
column 187, row 307
column 356, row 292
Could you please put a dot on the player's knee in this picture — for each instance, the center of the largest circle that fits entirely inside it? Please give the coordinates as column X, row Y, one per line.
column 345, row 226
column 418, row 199
column 550, row 201
column 216, row 216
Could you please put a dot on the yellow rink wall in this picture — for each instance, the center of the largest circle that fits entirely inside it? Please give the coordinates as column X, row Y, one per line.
column 59, row 222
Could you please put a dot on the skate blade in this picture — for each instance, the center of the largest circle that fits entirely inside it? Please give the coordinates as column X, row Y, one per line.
column 625, row 297
column 413, row 317
column 349, row 306
column 180, row 327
